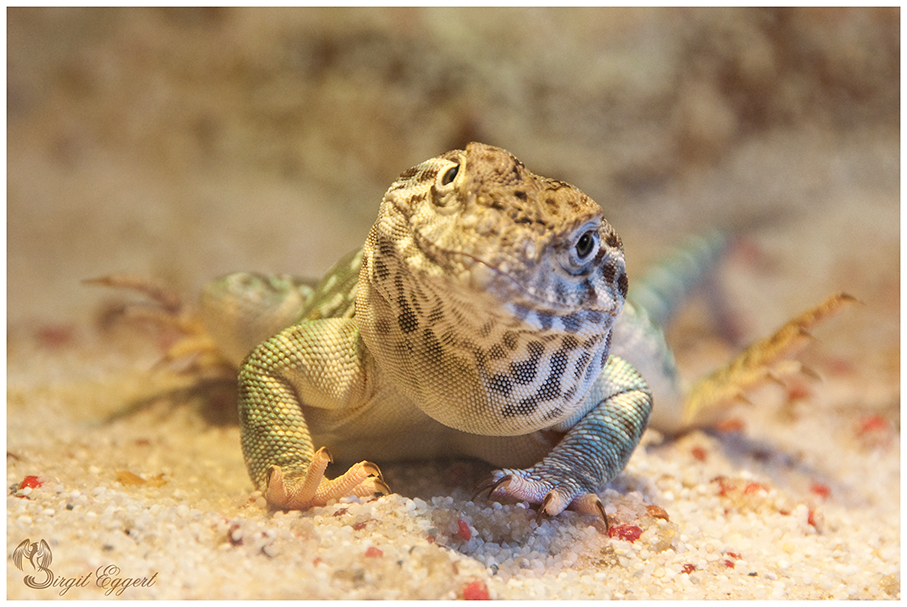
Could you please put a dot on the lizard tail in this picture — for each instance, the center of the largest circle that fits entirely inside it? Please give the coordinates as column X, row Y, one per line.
column 664, row 289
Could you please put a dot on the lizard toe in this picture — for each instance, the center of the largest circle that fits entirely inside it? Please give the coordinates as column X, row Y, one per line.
column 372, row 470
column 768, row 359
column 193, row 345
column 587, row 503
column 553, row 495
column 284, row 492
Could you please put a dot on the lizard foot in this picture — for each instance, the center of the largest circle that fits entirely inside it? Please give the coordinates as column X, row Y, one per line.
column 553, row 492
column 167, row 311
column 287, row 493
column 769, row 359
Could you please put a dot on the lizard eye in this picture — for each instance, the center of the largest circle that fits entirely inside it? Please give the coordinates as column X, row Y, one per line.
column 444, row 195
column 450, row 174
column 586, row 245
column 583, row 251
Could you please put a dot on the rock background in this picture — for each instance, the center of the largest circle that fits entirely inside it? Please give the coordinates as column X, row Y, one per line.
column 185, row 143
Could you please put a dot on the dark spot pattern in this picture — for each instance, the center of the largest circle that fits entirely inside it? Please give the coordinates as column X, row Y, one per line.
column 589, row 296
column 523, row 372
column 409, row 173
column 596, row 366
column 496, row 352
column 502, row 384
column 416, row 199
column 487, row 328
column 407, row 318
column 382, row 272
column 571, row 391
column 550, row 389
column 581, row 363
column 572, row 323
column 622, row 285
column 525, row 407
column 433, row 347
column 386, row 248
column 436, row 315
column 560, row 291
column 479, row 355
column 554, row 413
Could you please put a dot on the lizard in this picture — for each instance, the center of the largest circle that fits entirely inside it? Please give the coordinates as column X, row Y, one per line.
column 486, row 315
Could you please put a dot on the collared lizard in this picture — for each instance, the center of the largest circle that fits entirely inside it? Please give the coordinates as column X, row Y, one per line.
column 485, row 316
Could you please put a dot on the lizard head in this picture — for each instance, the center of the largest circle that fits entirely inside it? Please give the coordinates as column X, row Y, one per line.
column 489, row 292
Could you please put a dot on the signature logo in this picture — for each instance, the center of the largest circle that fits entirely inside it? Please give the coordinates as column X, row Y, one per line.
column 39, row 556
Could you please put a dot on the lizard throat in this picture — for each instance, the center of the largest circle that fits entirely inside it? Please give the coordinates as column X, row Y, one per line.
column 513, row 369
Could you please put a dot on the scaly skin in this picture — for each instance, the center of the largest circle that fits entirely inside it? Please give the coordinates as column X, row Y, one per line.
column 484, row 306
column 485, row 316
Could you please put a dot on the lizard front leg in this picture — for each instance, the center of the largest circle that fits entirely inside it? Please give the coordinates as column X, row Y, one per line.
column 319, row 364
column 594, row 450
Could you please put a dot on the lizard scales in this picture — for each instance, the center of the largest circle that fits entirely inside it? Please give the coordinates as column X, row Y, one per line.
column 479, row 325
column 477, row 320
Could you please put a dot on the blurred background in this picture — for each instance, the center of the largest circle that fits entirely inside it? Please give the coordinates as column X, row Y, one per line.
column 186, row 143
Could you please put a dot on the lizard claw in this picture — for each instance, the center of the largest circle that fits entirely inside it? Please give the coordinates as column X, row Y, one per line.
column 591, row 503
column 588, row 503
column 372, row 470
column 543, row 507
column 490, row 485
column 299, row 492
column 552, row 496
column 380, row 488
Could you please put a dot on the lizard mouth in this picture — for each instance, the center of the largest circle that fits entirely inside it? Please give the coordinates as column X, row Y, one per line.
column 485, row 278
